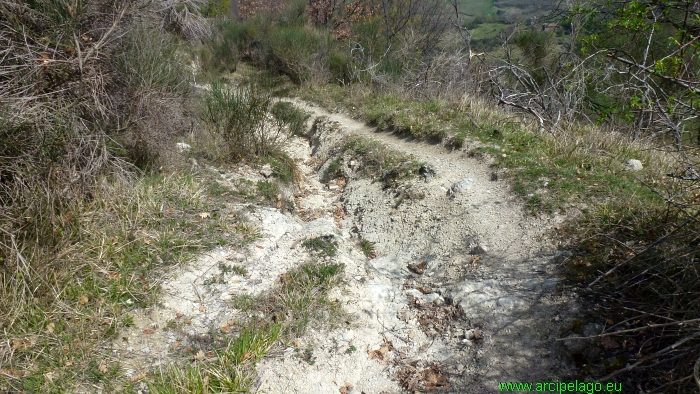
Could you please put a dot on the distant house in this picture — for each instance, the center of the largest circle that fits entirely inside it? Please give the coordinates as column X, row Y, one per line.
column 551, row 27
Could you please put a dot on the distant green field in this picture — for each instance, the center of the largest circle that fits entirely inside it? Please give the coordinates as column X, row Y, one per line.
column 477, row 7
column 487, row 30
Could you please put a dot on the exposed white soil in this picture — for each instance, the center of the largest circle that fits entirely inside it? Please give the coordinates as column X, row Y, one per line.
column 480, row 303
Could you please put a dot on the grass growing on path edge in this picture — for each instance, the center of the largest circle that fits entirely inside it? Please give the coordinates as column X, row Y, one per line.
column 632, row 235
column 281, row 314
column 581, row 170
column 133, row 229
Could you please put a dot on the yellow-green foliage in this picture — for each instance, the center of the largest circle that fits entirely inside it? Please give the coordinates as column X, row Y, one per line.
column 216, row 8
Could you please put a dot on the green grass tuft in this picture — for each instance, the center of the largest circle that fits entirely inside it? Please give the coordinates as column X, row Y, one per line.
column 323, row 246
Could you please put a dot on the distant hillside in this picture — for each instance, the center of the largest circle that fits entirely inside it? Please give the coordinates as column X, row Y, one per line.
column 514, row 9
column 525, row 8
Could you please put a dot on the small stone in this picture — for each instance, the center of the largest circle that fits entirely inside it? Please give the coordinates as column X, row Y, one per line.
column 428, row 171
column 183, row 147
column 480, row 249
column 415, row 293
column 346, row 336
column 494, row 177
column 462, row 186
column 266, row 171
column 472, row 334
column 434, row 298
column 634, row 165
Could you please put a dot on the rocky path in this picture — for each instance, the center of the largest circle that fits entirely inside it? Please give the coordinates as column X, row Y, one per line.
column 462, row 293
column 463, row 287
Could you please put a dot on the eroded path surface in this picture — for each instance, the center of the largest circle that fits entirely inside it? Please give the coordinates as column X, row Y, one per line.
column 462, row 293
column 475, row 249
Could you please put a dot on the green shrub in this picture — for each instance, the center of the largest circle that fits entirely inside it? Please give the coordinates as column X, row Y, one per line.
column 297, row 51
column 233, row 40
column 341, row 68
column 287, row 114
column 214, row 8
column 268, row 190
column 283, row 167
column 224, row 53
column 379, row 161
column 239, row 116
column 150, row 61
column 334, row 169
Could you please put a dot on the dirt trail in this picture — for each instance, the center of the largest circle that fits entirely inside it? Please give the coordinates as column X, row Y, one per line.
column 462, row 293
column 512, row 310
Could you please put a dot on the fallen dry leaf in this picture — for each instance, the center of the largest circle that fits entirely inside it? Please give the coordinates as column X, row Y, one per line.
column 102, row 367
column 202, row 308
column 176, row 345
column 379, row 353
column 609, row 343
column 83, row 299
column 179, row 315
column 434, row 378
column 200, row 356
column 50, row 328
column 296, row 343
column 114, row 275
column 225, row 329
column 23, row 343
column 204, row 215
column 411, row 334
column 138, row 377
column 476, row 259
column 347, row 388
column 418, row 268
column 13, row 372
